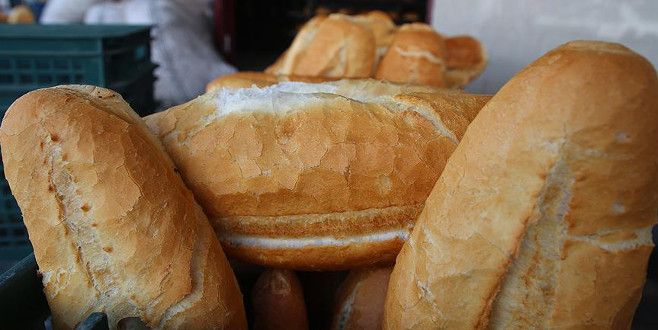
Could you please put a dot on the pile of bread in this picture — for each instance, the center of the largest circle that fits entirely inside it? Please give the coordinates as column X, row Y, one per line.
column 531, row 208
column 371, row 45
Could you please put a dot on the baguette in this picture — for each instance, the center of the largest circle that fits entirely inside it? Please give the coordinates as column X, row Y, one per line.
column 542, row 217
column 278, row 301
column 114, row 229
column 315, row 176
column 361, row 300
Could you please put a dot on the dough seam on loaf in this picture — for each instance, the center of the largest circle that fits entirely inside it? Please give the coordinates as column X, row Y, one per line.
column 642, row 238
column 542, row 243
column 283, row 242
column 429, row 297
column 197, row 265
column 70, row 206
column 232, row 100
column 399, row 106
column 317, row 217
column 421, row 54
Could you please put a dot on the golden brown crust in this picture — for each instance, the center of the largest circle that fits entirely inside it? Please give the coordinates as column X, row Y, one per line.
column 543, row 213
column 416, row 55
column 341, row 48
column 286, row 63
column 113, row 227
column 311, row 164
column 360, row 303
column 278, row 301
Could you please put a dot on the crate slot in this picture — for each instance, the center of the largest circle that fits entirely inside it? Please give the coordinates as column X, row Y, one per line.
column 22, row 63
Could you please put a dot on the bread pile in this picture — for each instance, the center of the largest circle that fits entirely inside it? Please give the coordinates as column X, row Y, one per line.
column 537, row 215
column 371, row 45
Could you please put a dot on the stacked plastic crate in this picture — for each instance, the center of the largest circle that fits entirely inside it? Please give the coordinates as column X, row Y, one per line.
column 37, row 56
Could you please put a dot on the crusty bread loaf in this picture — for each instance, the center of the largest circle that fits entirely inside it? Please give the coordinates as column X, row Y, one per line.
column 278, row 301
column 466, row 58
column 342, row 47
column 113, row 227
column 286, row 63
column 315, row 176
column 542, row 217
column 360, row 304
column 247, row 79
column 416, row 55
column 338, row 46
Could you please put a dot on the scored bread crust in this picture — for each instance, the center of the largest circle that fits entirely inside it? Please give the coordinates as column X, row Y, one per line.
column 360, row 299
column 246, row 79
column 296, row 168
column 542, row 217
column 113, row 227
column 416, row 55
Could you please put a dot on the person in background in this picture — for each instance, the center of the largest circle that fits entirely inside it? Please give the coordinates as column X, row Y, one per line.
column 182, row 39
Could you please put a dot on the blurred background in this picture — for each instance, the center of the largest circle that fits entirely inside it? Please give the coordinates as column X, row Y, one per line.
column 161, row 53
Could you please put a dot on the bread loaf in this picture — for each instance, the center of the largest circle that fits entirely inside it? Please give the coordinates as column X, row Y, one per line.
column 342, row 47
column 286, row 63
column 416, row 55
column 466, row 58
column 361, row 300
column 338, row 46
column 114, row 229
column 542, row 217
column 315, row 176
column 278, row 301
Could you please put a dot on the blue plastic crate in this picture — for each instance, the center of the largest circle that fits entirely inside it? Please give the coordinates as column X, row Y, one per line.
column 37, row 56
